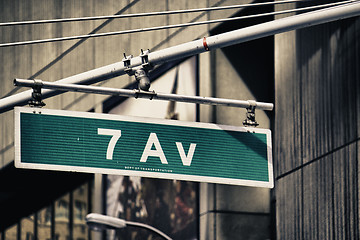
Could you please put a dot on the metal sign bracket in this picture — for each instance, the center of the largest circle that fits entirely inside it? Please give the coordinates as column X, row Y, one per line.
column 142, row 72
column 36, row 95
column 250, row 120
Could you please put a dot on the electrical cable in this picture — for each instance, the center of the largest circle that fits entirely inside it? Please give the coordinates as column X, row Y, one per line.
column 168, row 26
column 146, row 14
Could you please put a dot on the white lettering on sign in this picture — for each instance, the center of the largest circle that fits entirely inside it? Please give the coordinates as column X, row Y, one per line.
column 148, row 151
column 158, row 152
column 116, row 134
column 186, row 160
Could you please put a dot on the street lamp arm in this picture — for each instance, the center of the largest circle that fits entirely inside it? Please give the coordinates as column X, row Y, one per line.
column 98, row 222
column 142, row 225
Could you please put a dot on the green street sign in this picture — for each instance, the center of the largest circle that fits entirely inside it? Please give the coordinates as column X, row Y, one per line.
column 146, row 147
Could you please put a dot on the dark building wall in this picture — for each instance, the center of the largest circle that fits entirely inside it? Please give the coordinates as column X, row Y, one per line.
column 316, row 136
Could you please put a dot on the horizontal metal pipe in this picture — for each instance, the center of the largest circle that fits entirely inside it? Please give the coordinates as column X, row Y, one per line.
column 199, row 46
column 143, row 94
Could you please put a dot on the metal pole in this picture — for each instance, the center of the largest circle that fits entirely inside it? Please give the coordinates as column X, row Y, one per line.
column 255, row 32
column 100, row 222
column 199, row 46
column 143, row 94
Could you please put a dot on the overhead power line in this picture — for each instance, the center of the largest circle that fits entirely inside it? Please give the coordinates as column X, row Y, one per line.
column 146, row 14
column 169, row 26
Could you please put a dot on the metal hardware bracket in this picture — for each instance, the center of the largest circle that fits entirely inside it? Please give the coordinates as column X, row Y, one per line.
column 144, row 94
column 127, row 64
column 145, row 59
column 142, row 72
column 250, row 115
column 36, row 100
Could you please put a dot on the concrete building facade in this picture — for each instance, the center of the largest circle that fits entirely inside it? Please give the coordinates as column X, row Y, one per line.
column 317, row 132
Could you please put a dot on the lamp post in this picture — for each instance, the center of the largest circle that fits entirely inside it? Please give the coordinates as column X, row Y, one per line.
column 99, row 222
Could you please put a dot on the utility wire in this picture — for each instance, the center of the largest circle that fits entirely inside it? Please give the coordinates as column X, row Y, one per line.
column 168, row 26
column 146, row 14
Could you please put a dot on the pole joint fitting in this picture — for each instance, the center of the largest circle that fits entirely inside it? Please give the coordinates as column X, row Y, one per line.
column 141, row 76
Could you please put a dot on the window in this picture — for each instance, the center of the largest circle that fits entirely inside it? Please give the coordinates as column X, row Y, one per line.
column 62, row 209
column 29, row 236
column 80, row 211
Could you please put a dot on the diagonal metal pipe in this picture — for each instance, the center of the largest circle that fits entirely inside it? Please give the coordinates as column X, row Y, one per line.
column 197, row 47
